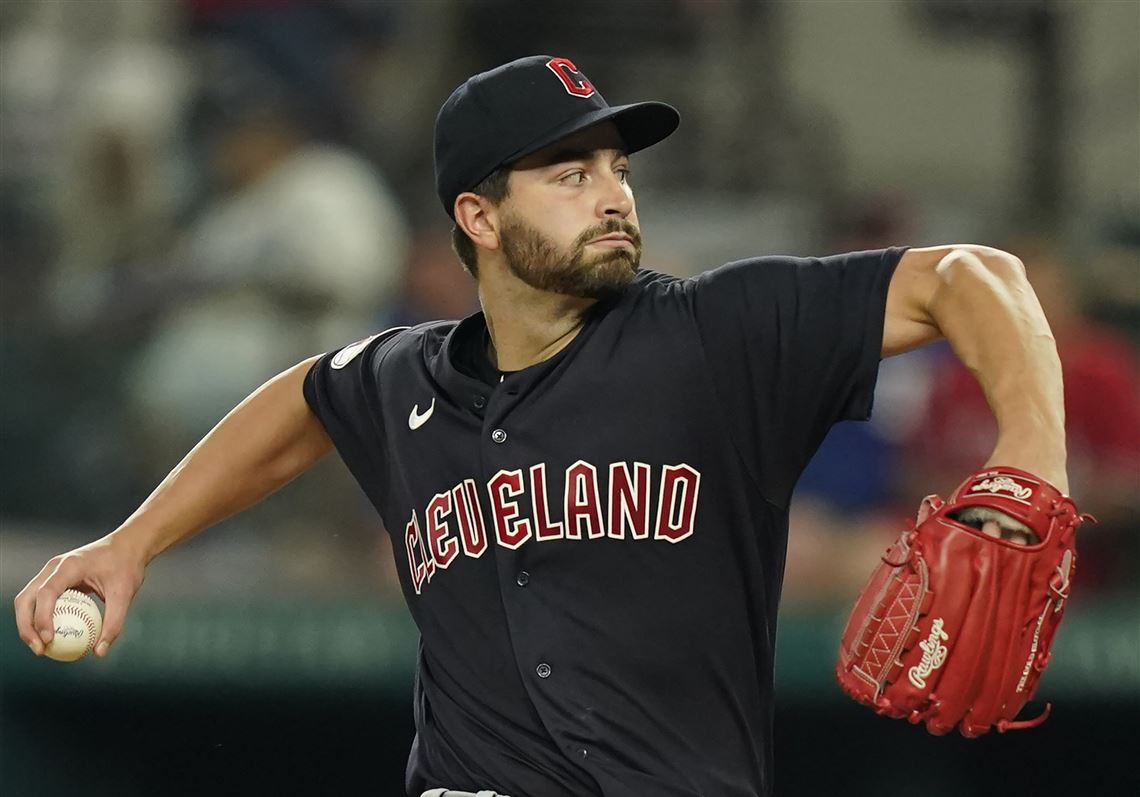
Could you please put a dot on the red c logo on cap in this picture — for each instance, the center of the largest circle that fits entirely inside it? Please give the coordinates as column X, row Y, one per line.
column 573, row 80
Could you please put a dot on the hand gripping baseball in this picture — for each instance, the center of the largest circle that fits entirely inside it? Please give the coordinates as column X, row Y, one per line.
column 955, row 626
column 107, row 567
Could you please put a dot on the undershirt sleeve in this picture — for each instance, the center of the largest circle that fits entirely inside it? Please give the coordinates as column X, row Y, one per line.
column 793, row 345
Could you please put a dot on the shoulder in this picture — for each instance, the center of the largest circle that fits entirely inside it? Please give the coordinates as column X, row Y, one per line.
column 399, row 341
column 652, row 282
column 650, row 289
column 422, row 341
column 654, row 289
column 766, row 267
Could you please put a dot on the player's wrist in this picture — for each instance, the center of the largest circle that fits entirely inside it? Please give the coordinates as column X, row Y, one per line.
column 136, row 542
column 1046, row 464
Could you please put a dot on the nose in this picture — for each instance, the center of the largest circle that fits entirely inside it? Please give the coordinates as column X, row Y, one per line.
column 615, row 199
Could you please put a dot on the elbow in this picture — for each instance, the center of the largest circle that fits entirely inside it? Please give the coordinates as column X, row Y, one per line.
column 971, row 277
column 1004, row 265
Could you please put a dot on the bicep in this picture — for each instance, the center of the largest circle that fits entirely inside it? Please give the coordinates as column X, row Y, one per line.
column 310, row 442
column 921, row 271
column 908, row 323
column 276, row 425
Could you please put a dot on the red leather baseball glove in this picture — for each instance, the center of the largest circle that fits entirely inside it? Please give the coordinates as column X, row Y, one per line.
column 955, row 626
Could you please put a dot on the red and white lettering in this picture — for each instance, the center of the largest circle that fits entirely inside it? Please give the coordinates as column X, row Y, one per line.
column 629, row 500
column 504, row 489
column 582, row 503
column 677, row 504
column 543, row 528
column 441, row 540
column 437, row 531
column 574, row 81
column 417, row 569
column 472, row 532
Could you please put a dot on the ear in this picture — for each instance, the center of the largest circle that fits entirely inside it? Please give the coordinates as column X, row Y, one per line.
column 476, row 217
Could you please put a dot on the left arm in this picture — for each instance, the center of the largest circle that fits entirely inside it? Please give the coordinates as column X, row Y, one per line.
column 979, row 299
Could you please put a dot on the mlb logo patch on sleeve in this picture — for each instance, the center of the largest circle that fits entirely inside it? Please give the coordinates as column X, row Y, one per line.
column 346, row 355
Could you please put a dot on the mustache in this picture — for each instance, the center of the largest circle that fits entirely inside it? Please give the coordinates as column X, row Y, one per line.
column 608, row 227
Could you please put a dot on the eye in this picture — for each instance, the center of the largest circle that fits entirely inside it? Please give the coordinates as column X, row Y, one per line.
column 577, row 177
column 623, row 174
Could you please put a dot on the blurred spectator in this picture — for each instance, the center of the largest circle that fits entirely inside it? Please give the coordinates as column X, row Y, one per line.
column 93, row 182
column 122, row 183
column 1102, row 409
column 1114, row 285
column 294, row 253
column 435, row 286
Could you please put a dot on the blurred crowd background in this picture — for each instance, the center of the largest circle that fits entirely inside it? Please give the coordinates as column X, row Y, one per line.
column 197, row 194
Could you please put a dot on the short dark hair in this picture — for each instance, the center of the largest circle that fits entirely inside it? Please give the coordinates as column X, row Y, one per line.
column 494, row 187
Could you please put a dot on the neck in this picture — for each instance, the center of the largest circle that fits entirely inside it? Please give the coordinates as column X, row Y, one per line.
column 527, row 325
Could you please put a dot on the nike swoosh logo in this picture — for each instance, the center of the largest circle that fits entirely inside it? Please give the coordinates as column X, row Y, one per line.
column 416, row 420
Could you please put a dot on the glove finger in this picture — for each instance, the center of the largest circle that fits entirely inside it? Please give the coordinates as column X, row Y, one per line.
column 962, row 677
column 996, row 697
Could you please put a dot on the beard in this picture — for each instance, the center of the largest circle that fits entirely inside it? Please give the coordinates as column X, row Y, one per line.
column 537, row 261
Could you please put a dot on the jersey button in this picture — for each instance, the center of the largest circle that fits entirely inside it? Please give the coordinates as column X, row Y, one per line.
column 499, row 436
column 523, row 578
column 479, row 403
column 543, row 670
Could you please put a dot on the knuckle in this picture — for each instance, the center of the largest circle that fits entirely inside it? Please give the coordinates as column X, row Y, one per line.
column 47, row 590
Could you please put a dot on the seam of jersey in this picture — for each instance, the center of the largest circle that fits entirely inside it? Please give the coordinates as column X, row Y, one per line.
column 418, row 329
column 377, row 459
column 378, row 424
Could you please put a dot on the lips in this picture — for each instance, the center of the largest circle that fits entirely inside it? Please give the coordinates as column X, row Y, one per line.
column 613, row 240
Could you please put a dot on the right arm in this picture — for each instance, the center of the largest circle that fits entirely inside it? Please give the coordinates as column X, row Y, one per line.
column 261, row 445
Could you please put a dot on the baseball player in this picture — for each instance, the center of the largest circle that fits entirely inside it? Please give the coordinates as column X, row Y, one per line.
column 587, row 483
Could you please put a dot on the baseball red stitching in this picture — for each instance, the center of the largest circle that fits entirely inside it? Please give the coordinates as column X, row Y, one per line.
column 87, row 621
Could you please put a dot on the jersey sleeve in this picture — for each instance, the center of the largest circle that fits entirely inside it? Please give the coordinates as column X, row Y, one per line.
column 793, row 346
column 342, row 389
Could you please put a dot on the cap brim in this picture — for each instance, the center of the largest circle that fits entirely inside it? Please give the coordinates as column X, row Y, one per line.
column 640, row 124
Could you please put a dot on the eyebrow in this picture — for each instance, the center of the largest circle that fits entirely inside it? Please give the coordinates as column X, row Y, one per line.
column 576, row 154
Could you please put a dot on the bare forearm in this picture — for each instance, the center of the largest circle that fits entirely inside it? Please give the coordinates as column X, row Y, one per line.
column 261, row 445
column 988, row 312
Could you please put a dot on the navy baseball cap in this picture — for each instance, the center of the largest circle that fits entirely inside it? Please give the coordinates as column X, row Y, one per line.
column 502, row 115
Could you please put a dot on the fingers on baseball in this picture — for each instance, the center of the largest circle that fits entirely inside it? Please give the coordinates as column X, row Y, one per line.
column 35, row 604
column 115, row 615
column 59, row 579
column 27, row 604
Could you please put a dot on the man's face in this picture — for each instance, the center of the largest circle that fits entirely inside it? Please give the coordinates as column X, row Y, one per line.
column 568, row 225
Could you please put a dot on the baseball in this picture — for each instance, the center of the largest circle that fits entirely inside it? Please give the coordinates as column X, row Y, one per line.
column 77, row 624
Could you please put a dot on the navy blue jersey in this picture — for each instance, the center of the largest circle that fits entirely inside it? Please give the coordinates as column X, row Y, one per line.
column 593, row 547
